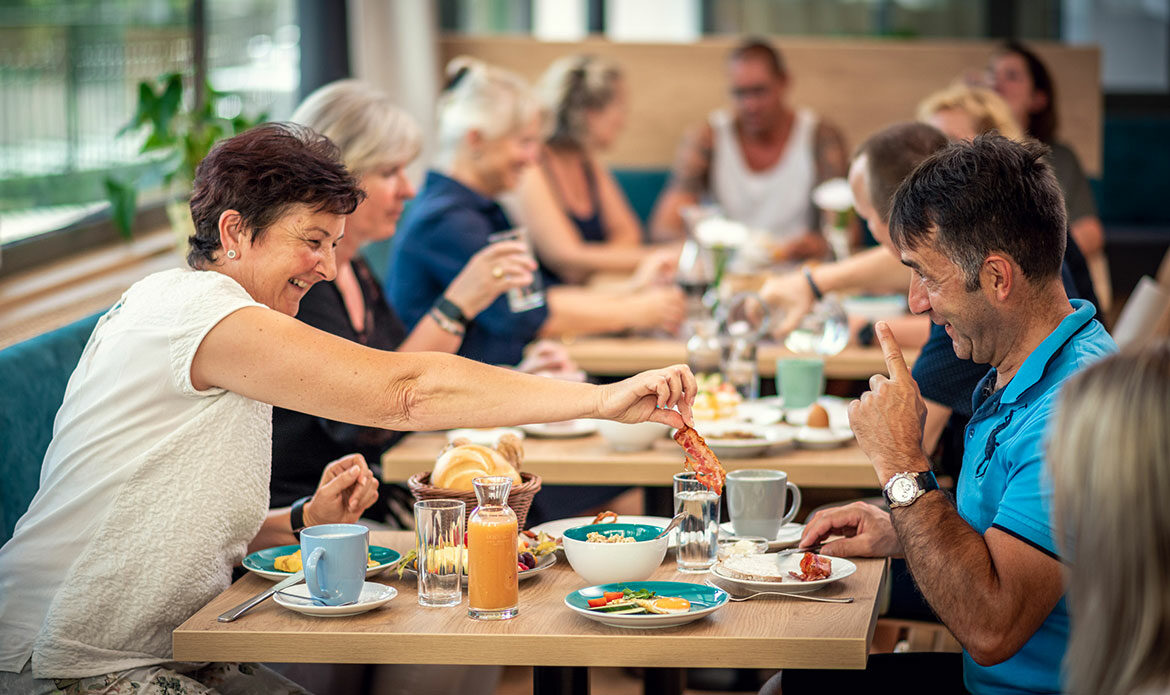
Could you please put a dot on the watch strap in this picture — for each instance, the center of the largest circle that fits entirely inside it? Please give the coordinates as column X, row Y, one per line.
column 447, row 308
column 812, row 285
column 296, row 515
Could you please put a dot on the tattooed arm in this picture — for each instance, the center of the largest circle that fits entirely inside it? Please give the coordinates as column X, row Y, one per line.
column 689, row 179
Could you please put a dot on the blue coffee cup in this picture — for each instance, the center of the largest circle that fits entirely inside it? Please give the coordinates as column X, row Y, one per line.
column 335, row 557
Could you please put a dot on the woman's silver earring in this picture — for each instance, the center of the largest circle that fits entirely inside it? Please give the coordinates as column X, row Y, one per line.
column 231, row 253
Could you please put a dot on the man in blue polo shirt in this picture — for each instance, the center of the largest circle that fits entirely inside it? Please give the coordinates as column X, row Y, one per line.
column 982, row 225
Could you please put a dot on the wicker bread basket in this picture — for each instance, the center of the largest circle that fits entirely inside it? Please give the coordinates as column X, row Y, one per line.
column 519, row 497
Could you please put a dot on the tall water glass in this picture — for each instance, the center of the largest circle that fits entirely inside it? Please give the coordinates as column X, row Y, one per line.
column 698, row 533
column 439, row 540
column 522, row 298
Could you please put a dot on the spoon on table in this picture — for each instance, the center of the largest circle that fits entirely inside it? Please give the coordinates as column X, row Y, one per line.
column 673, row 522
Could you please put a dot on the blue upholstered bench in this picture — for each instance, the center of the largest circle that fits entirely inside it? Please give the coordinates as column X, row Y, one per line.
column 33, row 376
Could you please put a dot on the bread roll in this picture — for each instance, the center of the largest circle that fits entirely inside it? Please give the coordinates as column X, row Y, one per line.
column 458, row 466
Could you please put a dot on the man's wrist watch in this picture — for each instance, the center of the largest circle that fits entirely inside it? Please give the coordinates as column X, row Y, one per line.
column 296, row 516
column 903, row 488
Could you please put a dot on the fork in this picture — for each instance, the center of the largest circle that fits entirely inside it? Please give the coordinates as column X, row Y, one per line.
column 754, row 594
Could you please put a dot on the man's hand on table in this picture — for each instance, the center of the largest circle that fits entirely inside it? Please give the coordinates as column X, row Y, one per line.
column 868, row 531
column 347, row 488
column 888, row 419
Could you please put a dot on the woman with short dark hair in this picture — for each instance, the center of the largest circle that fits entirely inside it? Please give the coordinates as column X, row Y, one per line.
column 162, row 448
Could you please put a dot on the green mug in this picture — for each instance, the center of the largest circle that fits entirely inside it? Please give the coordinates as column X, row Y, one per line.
column 800, row 381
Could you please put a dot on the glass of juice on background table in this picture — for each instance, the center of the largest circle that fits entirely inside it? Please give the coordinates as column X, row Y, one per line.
column 698, row 533
column 493, row 589
column 439, row 540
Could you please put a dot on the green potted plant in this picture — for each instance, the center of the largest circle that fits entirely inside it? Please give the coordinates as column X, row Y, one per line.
column 180, row 136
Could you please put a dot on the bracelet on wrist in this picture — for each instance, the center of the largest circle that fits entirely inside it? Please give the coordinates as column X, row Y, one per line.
column 812, row 285
column 446, row 323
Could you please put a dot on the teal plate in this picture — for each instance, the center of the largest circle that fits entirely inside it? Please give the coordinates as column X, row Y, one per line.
column 262, row 562
column 704, row 601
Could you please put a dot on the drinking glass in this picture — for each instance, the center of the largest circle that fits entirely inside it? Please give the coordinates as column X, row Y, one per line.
column 800, row 381
column 698, row 533
column 439, row 540
column 522, row 298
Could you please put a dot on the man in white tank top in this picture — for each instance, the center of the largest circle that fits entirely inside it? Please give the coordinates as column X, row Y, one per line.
column 758, row 161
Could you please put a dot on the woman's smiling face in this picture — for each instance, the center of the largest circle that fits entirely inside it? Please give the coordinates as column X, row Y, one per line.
column 294, row 254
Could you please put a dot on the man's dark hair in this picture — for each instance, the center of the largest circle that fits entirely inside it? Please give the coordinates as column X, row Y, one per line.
column 261, row 173
column 976, row 198
column 891, row 154
column 757, row 48
column 1041, row 124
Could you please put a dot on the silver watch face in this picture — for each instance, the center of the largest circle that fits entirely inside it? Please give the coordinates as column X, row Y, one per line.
column 903, row 489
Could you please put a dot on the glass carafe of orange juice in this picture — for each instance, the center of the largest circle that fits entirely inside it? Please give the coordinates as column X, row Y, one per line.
column 493, row 590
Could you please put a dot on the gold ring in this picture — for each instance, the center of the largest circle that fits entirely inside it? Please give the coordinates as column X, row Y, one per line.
column 497, row 272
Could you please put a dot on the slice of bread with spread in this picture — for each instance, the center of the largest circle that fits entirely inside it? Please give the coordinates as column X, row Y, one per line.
column 754, row 568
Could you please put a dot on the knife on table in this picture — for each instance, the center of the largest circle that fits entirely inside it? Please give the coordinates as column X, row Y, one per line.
column 260, row 597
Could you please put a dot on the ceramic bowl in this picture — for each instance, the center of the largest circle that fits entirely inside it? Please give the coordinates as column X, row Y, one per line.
column 636, row 437
column 604, row 563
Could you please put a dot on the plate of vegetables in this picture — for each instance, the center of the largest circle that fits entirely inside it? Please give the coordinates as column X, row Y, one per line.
column 646, row 604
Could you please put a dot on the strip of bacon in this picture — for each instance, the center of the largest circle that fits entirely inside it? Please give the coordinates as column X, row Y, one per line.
column 813, row 567
column 700, row 459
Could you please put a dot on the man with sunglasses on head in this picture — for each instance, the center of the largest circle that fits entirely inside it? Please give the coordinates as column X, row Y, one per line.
column 758, row 161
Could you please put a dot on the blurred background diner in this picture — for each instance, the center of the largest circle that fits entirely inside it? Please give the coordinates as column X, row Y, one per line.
column 586, row 189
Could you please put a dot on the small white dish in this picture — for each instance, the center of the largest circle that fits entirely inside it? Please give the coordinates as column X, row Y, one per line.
column 629, row 437
column 822, row 437
column 788, row 535
column 568, row 429
column 296, row 598
column 841, row 568
column 837, row 408
column 488, row 437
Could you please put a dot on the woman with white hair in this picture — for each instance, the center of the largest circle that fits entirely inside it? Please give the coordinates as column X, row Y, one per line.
column 1109, row 459
column 488, row 136
column 581, row 221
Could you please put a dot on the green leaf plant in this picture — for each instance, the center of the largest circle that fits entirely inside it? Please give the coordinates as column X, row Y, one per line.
column 178, row 134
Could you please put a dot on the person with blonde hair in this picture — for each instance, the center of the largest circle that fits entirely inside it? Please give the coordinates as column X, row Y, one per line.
column 963, row 111
column 1109, row 459
column 580, row 220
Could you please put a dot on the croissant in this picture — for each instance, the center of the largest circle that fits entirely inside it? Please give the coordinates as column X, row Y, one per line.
column 459, row 465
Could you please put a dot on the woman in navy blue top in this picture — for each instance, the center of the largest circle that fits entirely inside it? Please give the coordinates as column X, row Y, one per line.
column 489, row 134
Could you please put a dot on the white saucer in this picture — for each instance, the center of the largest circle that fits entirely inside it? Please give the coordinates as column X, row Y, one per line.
column 568, row 429
column 296, row 598
column 484, row 437
column 772, row 436
column 788, row 535
column 823, row 437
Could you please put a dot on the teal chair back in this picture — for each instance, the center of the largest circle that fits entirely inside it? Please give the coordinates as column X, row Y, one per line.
column 33, row 376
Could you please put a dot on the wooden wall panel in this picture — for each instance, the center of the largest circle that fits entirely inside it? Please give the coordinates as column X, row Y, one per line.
column 860, row 84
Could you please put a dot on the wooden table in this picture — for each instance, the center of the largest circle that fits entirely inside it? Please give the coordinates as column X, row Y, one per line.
column 764, row 633
column 608, row 356
column 588, row 461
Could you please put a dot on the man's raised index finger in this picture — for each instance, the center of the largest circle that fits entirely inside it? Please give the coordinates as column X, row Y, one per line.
column 895, row 362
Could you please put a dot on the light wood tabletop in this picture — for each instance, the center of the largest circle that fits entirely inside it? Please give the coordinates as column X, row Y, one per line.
column 762, row 633
column 588, row 461
column 610, row 356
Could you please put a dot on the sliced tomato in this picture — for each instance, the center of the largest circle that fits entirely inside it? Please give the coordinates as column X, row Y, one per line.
column 598, row 602
column 613, row 595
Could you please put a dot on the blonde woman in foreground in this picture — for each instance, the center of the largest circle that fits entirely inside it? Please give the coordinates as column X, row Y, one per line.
column 1110, row 466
